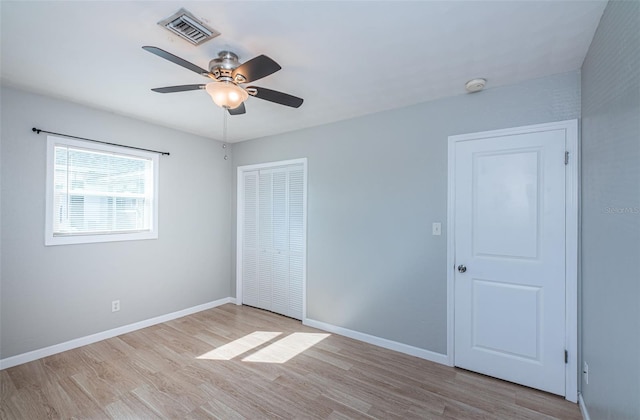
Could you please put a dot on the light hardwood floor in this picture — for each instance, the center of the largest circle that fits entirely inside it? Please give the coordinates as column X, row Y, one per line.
column 157, row 373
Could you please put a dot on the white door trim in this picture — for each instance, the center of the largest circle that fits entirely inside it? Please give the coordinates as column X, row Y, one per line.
column 571, row 237
column 240, row 217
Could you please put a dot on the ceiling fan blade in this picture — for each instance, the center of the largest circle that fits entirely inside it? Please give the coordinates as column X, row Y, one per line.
column 238, row 111
column 181, row 88
column 175, row 59
column 255, row 69
column 275, row 96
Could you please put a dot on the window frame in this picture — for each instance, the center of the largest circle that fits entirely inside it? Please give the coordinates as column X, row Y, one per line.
column 70, row 239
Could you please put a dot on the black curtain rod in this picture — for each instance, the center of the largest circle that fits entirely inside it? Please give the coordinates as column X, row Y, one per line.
column 38, row 131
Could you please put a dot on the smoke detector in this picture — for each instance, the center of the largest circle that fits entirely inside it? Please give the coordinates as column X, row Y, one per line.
column 475, row 85
column 184, row 24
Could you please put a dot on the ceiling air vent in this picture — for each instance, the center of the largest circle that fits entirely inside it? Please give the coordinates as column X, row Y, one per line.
column 187, row 26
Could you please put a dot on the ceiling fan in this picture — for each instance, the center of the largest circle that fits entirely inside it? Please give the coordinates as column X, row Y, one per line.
column 227, row 75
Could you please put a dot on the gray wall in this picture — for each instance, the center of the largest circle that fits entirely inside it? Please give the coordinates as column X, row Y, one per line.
column 376, row 184
column 611, row 215
column 58, row 293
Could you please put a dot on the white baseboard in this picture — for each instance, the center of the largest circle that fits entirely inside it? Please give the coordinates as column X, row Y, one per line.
column 93, row 338
column 583, row 407
column 381, row 342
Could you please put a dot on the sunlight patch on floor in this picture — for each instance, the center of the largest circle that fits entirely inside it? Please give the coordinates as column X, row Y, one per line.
column 240, row 346
column 280, row 351
column 286, row 348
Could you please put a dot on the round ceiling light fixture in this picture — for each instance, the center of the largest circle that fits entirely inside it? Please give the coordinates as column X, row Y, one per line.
column 475, row 85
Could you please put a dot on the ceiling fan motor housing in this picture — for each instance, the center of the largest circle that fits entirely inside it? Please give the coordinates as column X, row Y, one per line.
column 223, row 66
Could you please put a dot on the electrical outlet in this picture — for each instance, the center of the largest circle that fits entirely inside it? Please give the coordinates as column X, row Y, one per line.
column 585, row 373
column 115, row 306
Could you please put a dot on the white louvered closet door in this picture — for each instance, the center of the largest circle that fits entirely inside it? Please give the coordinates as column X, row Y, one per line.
column 250, row 238
column 273, row 269
column 265, row 241
column 280, row 224
column 297, row 246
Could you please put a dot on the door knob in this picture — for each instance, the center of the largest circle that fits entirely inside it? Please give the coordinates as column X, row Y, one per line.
column 462, row 268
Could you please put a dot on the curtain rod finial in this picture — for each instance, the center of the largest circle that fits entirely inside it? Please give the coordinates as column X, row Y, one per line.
column 35, row 130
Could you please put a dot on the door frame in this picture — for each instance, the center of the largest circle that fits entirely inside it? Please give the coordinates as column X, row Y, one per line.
column 571, row 238
column 240, row 216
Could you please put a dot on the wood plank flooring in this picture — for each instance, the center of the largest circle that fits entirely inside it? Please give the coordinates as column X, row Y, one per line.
column 156, row 372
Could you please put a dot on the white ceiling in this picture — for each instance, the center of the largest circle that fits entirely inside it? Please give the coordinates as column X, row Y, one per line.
column 345, row 58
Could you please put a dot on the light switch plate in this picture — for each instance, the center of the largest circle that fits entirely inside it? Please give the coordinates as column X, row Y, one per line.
column 436, row 229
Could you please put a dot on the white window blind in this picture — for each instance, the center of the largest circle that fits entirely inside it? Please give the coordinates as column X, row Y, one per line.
column 99, row 193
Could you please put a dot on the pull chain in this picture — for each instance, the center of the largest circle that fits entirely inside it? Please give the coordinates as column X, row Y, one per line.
column 224, row 131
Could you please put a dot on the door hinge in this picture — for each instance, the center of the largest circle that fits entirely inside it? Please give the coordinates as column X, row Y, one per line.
column 566, row 356
column 566, row 158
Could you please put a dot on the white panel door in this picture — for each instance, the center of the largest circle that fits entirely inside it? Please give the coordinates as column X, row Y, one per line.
column 510, row 238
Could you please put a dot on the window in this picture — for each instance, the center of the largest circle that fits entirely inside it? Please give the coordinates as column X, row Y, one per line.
column 99, row 193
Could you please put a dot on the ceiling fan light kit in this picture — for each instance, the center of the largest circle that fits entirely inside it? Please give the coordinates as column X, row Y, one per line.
column 226, row 94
